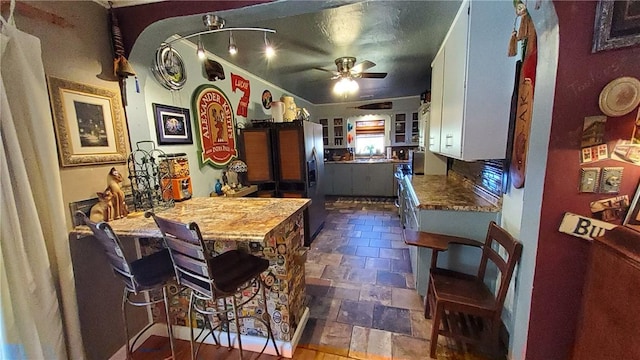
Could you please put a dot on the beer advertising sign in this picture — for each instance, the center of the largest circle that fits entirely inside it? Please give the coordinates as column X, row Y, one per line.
column 216, row 123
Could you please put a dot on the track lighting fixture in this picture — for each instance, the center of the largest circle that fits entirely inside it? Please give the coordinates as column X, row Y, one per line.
column 200, row 51
column 268, row 48
column 233, row 49
column 216, row 24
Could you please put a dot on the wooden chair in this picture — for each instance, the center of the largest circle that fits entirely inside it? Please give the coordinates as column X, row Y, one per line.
column 229, row 276
column 463, row 306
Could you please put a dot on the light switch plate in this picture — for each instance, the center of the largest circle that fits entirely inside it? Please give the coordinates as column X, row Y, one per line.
column 589, row 179
column 611, row 179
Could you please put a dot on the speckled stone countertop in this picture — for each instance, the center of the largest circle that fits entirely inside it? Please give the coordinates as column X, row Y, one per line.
column 442, row 192
column 219, row 218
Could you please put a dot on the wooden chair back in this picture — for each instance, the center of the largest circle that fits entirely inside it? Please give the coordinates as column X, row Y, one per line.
column 498, row 238
column 188, row 253
column 112, row 247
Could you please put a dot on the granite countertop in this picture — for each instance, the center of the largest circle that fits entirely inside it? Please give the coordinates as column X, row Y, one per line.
column 219, row 218
column 442, row 192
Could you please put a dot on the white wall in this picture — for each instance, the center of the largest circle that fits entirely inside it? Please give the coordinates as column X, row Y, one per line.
column 521, row 207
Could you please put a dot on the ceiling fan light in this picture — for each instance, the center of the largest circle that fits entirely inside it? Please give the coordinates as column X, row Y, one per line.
column 233, row 49
column 200, row 51
column 352, row 86
column 342, row 86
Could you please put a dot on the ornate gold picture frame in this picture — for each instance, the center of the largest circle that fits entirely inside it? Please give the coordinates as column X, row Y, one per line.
column 617, row 24
column 88, row 122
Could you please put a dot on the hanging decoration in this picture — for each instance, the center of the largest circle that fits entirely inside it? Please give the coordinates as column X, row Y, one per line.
column 216, row 122
column 121, row 67
column 242, row 84
column 526, row 36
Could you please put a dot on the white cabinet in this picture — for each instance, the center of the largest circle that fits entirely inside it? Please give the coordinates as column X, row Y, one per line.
column 334, row 132
column 472, row 82
column 405, row 129
column 435, row 116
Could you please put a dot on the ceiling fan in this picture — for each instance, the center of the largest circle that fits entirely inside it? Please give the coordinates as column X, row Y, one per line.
column 348, row 70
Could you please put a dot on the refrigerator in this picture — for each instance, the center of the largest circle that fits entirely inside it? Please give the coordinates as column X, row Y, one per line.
column 287, row 160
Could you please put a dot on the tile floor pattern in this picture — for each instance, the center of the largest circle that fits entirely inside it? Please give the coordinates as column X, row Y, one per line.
column 360, row 293
column 360, row 288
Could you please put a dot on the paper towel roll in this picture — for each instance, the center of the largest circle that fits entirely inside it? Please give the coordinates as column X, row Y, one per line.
column 277, row 111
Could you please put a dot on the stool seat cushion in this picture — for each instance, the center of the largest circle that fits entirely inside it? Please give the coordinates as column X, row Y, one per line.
column 233, row 268
column 154, row 269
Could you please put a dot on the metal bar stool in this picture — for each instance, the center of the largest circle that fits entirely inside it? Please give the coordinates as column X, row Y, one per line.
column 215, row 279
column 144, row 275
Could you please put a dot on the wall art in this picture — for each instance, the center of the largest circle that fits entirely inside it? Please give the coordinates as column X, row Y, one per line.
column 173, row 125
column 88, row 122
column 215, row 124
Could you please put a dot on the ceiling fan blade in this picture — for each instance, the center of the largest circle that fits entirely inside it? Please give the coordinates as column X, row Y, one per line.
column 363, row 66
column 372, row 75
column 326, row 70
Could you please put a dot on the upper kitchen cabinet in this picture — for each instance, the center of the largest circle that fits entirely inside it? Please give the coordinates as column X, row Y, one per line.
column 334, row 132
column 472, row 82
column 405, row 129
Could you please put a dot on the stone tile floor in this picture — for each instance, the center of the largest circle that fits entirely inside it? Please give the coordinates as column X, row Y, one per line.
column 360, row 288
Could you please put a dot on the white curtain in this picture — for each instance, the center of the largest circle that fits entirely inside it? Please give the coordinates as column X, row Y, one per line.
column 38, row 301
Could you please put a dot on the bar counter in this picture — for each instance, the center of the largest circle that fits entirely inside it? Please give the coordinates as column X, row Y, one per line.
column 266, row 227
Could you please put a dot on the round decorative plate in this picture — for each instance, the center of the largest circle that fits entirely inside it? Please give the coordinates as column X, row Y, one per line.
column 169, row 68
column 620, row 96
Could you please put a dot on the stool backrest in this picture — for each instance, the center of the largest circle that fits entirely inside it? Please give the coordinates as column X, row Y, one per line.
column 188, row 253
column 113, row 249
column 506, row 265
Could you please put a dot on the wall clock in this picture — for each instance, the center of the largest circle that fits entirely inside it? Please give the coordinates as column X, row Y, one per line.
column 169, row 68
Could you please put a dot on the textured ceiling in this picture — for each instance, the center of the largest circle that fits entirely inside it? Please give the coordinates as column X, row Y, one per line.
column 401, row 37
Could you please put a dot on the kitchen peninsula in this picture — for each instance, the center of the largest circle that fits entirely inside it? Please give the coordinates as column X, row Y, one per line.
column 272, row 228
column 450, row 205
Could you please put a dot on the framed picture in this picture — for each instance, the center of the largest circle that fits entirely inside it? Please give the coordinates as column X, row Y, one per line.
column 617, row 24
column 173, row 125
column 88, row 122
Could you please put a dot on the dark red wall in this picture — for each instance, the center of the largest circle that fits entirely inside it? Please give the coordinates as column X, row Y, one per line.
column 562, row 259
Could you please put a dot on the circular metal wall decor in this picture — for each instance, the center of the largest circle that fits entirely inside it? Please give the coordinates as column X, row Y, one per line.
column 169, row 68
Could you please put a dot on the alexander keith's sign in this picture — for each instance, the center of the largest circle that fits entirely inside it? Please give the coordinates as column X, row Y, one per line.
column 215, row 126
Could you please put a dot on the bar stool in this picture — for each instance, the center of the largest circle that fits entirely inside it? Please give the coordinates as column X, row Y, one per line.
column 215, row 279
column 144, row 275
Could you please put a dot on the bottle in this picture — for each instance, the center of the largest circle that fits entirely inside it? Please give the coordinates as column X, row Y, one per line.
column 218, row 187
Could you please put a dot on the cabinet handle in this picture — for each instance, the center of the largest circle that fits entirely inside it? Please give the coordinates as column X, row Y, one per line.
column 449, row 140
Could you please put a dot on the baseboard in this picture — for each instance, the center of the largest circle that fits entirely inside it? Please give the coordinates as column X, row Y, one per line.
column 249, row 342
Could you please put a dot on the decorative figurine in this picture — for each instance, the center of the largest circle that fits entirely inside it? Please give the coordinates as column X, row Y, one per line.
column 113, row 184
column 103, row 209
column 218, row 187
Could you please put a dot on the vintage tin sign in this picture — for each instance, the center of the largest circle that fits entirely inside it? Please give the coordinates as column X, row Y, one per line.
column 216, row 125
